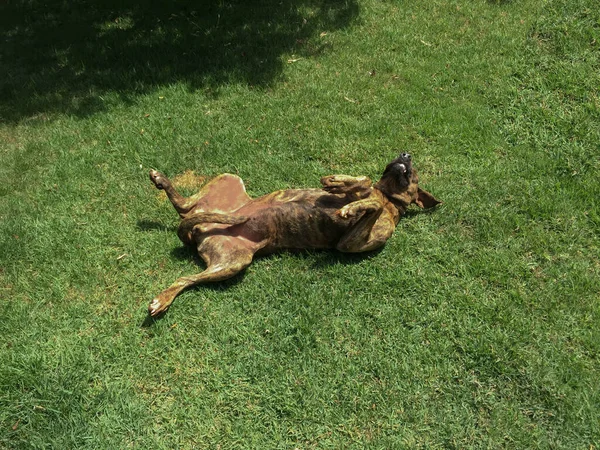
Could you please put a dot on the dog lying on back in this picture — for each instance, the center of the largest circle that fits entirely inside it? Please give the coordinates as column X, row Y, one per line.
column 228, row 227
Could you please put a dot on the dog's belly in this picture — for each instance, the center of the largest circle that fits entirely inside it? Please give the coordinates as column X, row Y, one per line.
column 297, row 225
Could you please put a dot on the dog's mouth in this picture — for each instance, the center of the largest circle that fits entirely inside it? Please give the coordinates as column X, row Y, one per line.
column 402, row 165
column 397, row 178
column 400, row 169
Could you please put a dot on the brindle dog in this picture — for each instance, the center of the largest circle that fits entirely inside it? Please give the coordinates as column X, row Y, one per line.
column 228, row 227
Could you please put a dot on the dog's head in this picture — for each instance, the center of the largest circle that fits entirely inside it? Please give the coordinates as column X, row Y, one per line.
column 400, row 183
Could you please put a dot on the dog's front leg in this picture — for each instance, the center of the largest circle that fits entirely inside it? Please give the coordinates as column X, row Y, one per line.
column 371, row 230
column 346, row 184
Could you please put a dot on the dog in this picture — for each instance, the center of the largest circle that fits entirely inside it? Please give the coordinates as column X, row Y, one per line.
column 227, row 227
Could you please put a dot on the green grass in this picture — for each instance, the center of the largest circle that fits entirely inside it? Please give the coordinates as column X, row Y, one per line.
column 477, row 326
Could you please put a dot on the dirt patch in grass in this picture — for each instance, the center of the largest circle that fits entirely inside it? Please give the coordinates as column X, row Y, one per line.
column 187, row 181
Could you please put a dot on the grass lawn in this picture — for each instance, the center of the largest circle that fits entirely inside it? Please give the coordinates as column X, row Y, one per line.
column 477, row 326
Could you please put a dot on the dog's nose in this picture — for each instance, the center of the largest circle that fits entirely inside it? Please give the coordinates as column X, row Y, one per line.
column 406, row 155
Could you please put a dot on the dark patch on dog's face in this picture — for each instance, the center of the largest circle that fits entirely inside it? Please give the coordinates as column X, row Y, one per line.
column 400, row 184
column 399, row 181
column 400, row 171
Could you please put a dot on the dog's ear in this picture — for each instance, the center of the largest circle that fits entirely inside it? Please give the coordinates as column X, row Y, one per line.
column 426, row 200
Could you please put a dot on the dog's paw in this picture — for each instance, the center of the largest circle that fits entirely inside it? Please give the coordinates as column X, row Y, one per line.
column 332, row 184
column 347, row 212
column 330, row 180
column 156, row 307
column 159, row 180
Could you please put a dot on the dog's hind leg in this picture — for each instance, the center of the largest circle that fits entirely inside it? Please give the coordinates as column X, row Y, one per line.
column 181, row 203
column 223, row 194
column 219, row 267
column 195, row 222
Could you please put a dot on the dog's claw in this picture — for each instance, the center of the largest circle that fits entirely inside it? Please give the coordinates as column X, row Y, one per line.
column 346, row 212
column 333, row 188
column 155, row 308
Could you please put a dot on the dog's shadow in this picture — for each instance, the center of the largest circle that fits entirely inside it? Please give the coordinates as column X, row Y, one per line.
column 151, row 225
column 326, row 258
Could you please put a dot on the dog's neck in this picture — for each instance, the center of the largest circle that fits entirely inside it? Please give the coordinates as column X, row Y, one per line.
column 397, row 193
column 399, row 203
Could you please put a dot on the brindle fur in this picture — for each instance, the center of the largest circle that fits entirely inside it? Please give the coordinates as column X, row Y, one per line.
column 228, row 227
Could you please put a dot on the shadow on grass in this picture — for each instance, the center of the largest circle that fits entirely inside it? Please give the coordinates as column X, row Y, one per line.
column 151, row 225
column 412, row 212
column 325, row 258
column 58, row 56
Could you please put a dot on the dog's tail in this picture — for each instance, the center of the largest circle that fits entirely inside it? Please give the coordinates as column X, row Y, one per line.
column 206, row 217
